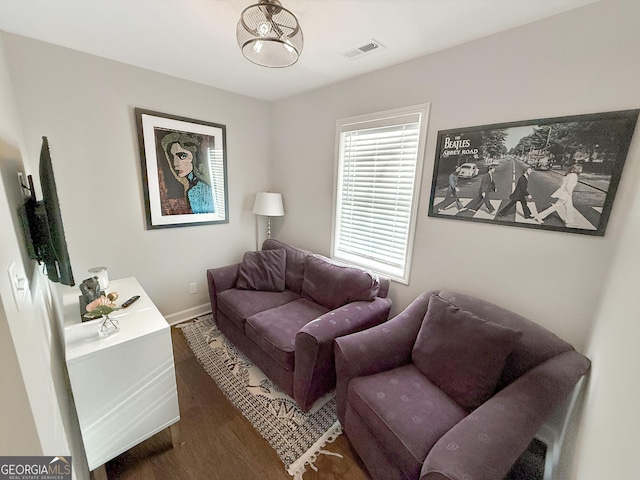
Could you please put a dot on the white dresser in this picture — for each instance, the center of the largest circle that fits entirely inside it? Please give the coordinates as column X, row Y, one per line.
column 124, row 386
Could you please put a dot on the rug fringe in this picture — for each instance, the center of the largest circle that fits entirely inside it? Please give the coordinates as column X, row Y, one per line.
column 297, row 468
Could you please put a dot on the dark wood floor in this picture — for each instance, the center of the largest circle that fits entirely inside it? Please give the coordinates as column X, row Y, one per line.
column 217, row 442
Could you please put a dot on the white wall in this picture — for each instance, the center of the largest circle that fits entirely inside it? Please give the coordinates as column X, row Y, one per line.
column 610, row 436
column 17, row 427
column 18, row 433
column 574, row 63
column 85, row 106
column 35, row 418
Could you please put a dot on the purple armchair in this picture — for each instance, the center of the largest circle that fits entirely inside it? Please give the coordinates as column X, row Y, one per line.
column 453, row 387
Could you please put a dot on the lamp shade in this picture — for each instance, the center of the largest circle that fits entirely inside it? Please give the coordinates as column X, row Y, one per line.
column 268, row 204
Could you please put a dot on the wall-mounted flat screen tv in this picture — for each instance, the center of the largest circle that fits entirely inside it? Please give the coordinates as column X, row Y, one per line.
column 42, row 224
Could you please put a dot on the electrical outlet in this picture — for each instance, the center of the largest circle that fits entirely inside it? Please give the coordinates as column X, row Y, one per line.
column 193, row 288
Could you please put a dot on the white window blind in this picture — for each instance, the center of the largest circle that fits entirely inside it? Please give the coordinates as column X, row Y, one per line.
column 216, row 168
column 379, row 158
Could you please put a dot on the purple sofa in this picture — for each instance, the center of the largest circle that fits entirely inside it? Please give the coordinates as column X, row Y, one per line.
column 453, row 387
column 283, row 307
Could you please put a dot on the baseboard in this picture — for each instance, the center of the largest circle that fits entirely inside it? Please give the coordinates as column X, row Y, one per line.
column 188, row 314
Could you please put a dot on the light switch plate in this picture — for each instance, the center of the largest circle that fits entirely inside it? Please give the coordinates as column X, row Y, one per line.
column 24, row 184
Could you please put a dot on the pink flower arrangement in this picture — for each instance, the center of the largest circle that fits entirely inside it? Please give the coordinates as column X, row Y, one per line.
column 102, row 306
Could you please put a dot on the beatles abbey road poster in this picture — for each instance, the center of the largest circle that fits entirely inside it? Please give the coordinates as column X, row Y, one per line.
column 551, row 174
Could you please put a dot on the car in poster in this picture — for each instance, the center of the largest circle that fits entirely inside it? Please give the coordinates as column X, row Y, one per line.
column 543, row 163
column 468, row 170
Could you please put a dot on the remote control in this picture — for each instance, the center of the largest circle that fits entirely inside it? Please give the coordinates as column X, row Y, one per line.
column 130, row 301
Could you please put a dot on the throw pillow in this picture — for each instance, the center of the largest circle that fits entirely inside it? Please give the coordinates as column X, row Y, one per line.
column 263, row 270
column 460, row 353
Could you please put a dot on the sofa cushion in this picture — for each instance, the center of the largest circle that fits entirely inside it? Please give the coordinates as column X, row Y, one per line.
column 406, row 412
column 333, row 284
column 461, row 353
column 274, row 330
column 239, row 305
column 295, row 263
column 263, row 270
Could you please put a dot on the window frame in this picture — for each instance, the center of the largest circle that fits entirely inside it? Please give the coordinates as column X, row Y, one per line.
column 364, row 122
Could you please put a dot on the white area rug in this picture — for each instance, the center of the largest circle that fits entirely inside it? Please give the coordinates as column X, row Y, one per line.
column 297, row 437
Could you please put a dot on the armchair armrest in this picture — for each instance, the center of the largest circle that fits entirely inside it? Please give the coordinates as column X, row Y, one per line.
column 315, row 373
column 487, row 443
column 219, row 280
column 378, row 349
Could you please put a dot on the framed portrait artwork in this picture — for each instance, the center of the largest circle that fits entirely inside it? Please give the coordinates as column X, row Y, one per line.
column 184, row 170
column 550, row 174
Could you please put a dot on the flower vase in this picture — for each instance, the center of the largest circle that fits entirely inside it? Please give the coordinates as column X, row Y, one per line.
column 108, row 326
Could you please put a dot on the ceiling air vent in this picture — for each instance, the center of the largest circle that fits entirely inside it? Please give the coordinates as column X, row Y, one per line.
column 366, row 48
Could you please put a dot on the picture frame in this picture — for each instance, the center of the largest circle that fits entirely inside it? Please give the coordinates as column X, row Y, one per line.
column 573, row 164
column 184, row 170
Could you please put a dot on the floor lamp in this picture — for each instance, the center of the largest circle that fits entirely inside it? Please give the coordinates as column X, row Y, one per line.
column 268, row 205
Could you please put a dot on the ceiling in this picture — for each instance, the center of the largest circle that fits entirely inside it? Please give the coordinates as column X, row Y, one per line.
column 196, row 39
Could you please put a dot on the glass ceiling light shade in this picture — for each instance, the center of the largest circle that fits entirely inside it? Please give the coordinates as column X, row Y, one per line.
column 269, row 35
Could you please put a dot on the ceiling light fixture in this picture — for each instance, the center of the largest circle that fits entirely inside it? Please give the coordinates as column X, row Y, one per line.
column 269, row 35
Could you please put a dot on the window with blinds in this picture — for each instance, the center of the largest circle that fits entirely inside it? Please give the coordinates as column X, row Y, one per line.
column 217, row 178
column 377, row 184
